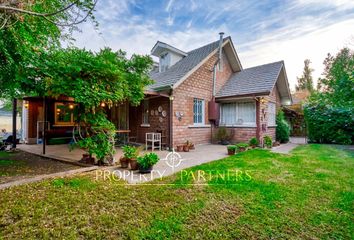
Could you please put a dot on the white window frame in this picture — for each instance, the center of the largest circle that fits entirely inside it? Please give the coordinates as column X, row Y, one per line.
column 245, row 124
column 271, row 121
column 202, row 101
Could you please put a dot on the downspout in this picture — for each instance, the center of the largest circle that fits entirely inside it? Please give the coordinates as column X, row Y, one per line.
column 218, row 61
column 171, row 119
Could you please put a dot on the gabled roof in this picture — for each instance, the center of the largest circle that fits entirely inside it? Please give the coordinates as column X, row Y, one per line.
column 256, row 80
column 176, row 73
column 161, row 47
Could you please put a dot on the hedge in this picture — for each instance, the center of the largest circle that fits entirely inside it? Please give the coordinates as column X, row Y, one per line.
column 328, row 124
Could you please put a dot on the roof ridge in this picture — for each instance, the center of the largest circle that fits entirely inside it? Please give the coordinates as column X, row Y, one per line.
column 224, row 39
column 281, row 61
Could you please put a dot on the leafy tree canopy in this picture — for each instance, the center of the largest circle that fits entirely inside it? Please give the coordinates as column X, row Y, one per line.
column 24, row 37
column 306, row 80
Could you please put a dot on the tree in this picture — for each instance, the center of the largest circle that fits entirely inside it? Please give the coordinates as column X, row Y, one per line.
column 92, row 79
column 330, row 113
column 305, row 81
column 25, row 38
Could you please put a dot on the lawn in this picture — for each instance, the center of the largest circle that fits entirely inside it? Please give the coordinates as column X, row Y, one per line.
column 305, row 195
column 19, row 165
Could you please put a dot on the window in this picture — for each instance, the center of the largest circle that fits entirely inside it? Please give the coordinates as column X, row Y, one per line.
column 271, row 114
column 146, row 112
column 198, row 111
column 242, row 113
column 165, row 59
column 64, row 113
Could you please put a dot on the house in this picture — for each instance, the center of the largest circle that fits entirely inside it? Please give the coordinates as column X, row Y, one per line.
column 192, row 95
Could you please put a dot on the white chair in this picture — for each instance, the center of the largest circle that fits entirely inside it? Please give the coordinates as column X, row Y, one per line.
column 153, row 138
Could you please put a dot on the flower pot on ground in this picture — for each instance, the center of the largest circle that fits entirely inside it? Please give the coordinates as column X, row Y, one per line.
column 179, row 148
column 190, row 145
column 131, row 153
column 185, row 148
column 276, row 144
column 147, row 162
column 254, row 142
column 224, row 135
column 231, row 150
column 133, row 164
column 124, row 162
column 241, row 147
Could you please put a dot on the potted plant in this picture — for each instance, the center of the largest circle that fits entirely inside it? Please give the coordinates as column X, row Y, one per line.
column 179, row 148
column 254, row 142
column 224, row 135
column 231, row 149
column 268, row 141
column 130, row 153
column 190, row 145
column 124, row 162
column 147, row 161
column 185, row 148
column 242, row 147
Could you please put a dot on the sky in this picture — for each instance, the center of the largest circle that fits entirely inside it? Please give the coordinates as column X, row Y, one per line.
column 262, row 31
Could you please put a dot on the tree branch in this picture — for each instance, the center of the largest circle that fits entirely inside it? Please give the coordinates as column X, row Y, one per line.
column 37, row 13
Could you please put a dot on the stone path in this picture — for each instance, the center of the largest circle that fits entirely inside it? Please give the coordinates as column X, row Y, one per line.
column 293, row 143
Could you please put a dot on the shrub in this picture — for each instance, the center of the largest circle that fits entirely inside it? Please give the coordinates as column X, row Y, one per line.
column 148, row 160
column 130, row 152
column 329, row 124
column 231, row 147
column 268, row 141
column 242, row 145
column 254, row 142
column 223, row 134
column 282, row 130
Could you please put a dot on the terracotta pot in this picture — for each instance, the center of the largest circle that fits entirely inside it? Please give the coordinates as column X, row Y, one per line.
column 180, row 148
column 185, row 148
column 191, row 146
column 145, row 170
column 242, row 149
column 123, row 162
column 133, row 164
column 230, row 151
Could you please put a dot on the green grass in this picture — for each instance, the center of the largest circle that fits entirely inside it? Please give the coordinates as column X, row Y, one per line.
column 305, row 195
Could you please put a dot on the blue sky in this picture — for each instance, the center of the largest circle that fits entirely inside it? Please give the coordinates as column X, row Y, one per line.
column 263, row 31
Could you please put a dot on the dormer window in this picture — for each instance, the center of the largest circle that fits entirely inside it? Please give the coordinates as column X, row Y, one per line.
column 164, row 62
column 168, row 55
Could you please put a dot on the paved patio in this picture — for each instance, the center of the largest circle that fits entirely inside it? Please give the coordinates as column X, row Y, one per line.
column 165, row 167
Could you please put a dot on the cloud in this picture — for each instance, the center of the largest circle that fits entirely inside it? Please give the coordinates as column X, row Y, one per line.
column 262, row 31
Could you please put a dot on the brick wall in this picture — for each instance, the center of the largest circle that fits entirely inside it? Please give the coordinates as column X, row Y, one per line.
column 198, row 85
column 275, row 98
column 136, row 118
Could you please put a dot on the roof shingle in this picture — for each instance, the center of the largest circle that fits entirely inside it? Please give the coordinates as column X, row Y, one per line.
column 182, row 67
column 259, row 79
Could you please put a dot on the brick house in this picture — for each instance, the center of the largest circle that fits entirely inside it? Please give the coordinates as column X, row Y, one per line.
column 193, row 94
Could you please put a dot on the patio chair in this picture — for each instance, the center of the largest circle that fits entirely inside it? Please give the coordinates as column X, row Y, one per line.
column 153, row 138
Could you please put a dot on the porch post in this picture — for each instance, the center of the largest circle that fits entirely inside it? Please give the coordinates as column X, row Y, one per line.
column 258, row 122
column 14, row 121
column 44, row 123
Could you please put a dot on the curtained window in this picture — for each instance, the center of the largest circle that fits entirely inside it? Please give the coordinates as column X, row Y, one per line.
column 241, row 113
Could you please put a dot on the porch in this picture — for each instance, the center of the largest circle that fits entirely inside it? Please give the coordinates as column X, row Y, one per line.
column 56, row 119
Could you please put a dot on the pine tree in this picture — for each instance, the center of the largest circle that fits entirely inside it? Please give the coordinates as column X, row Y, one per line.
column 306, row 80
